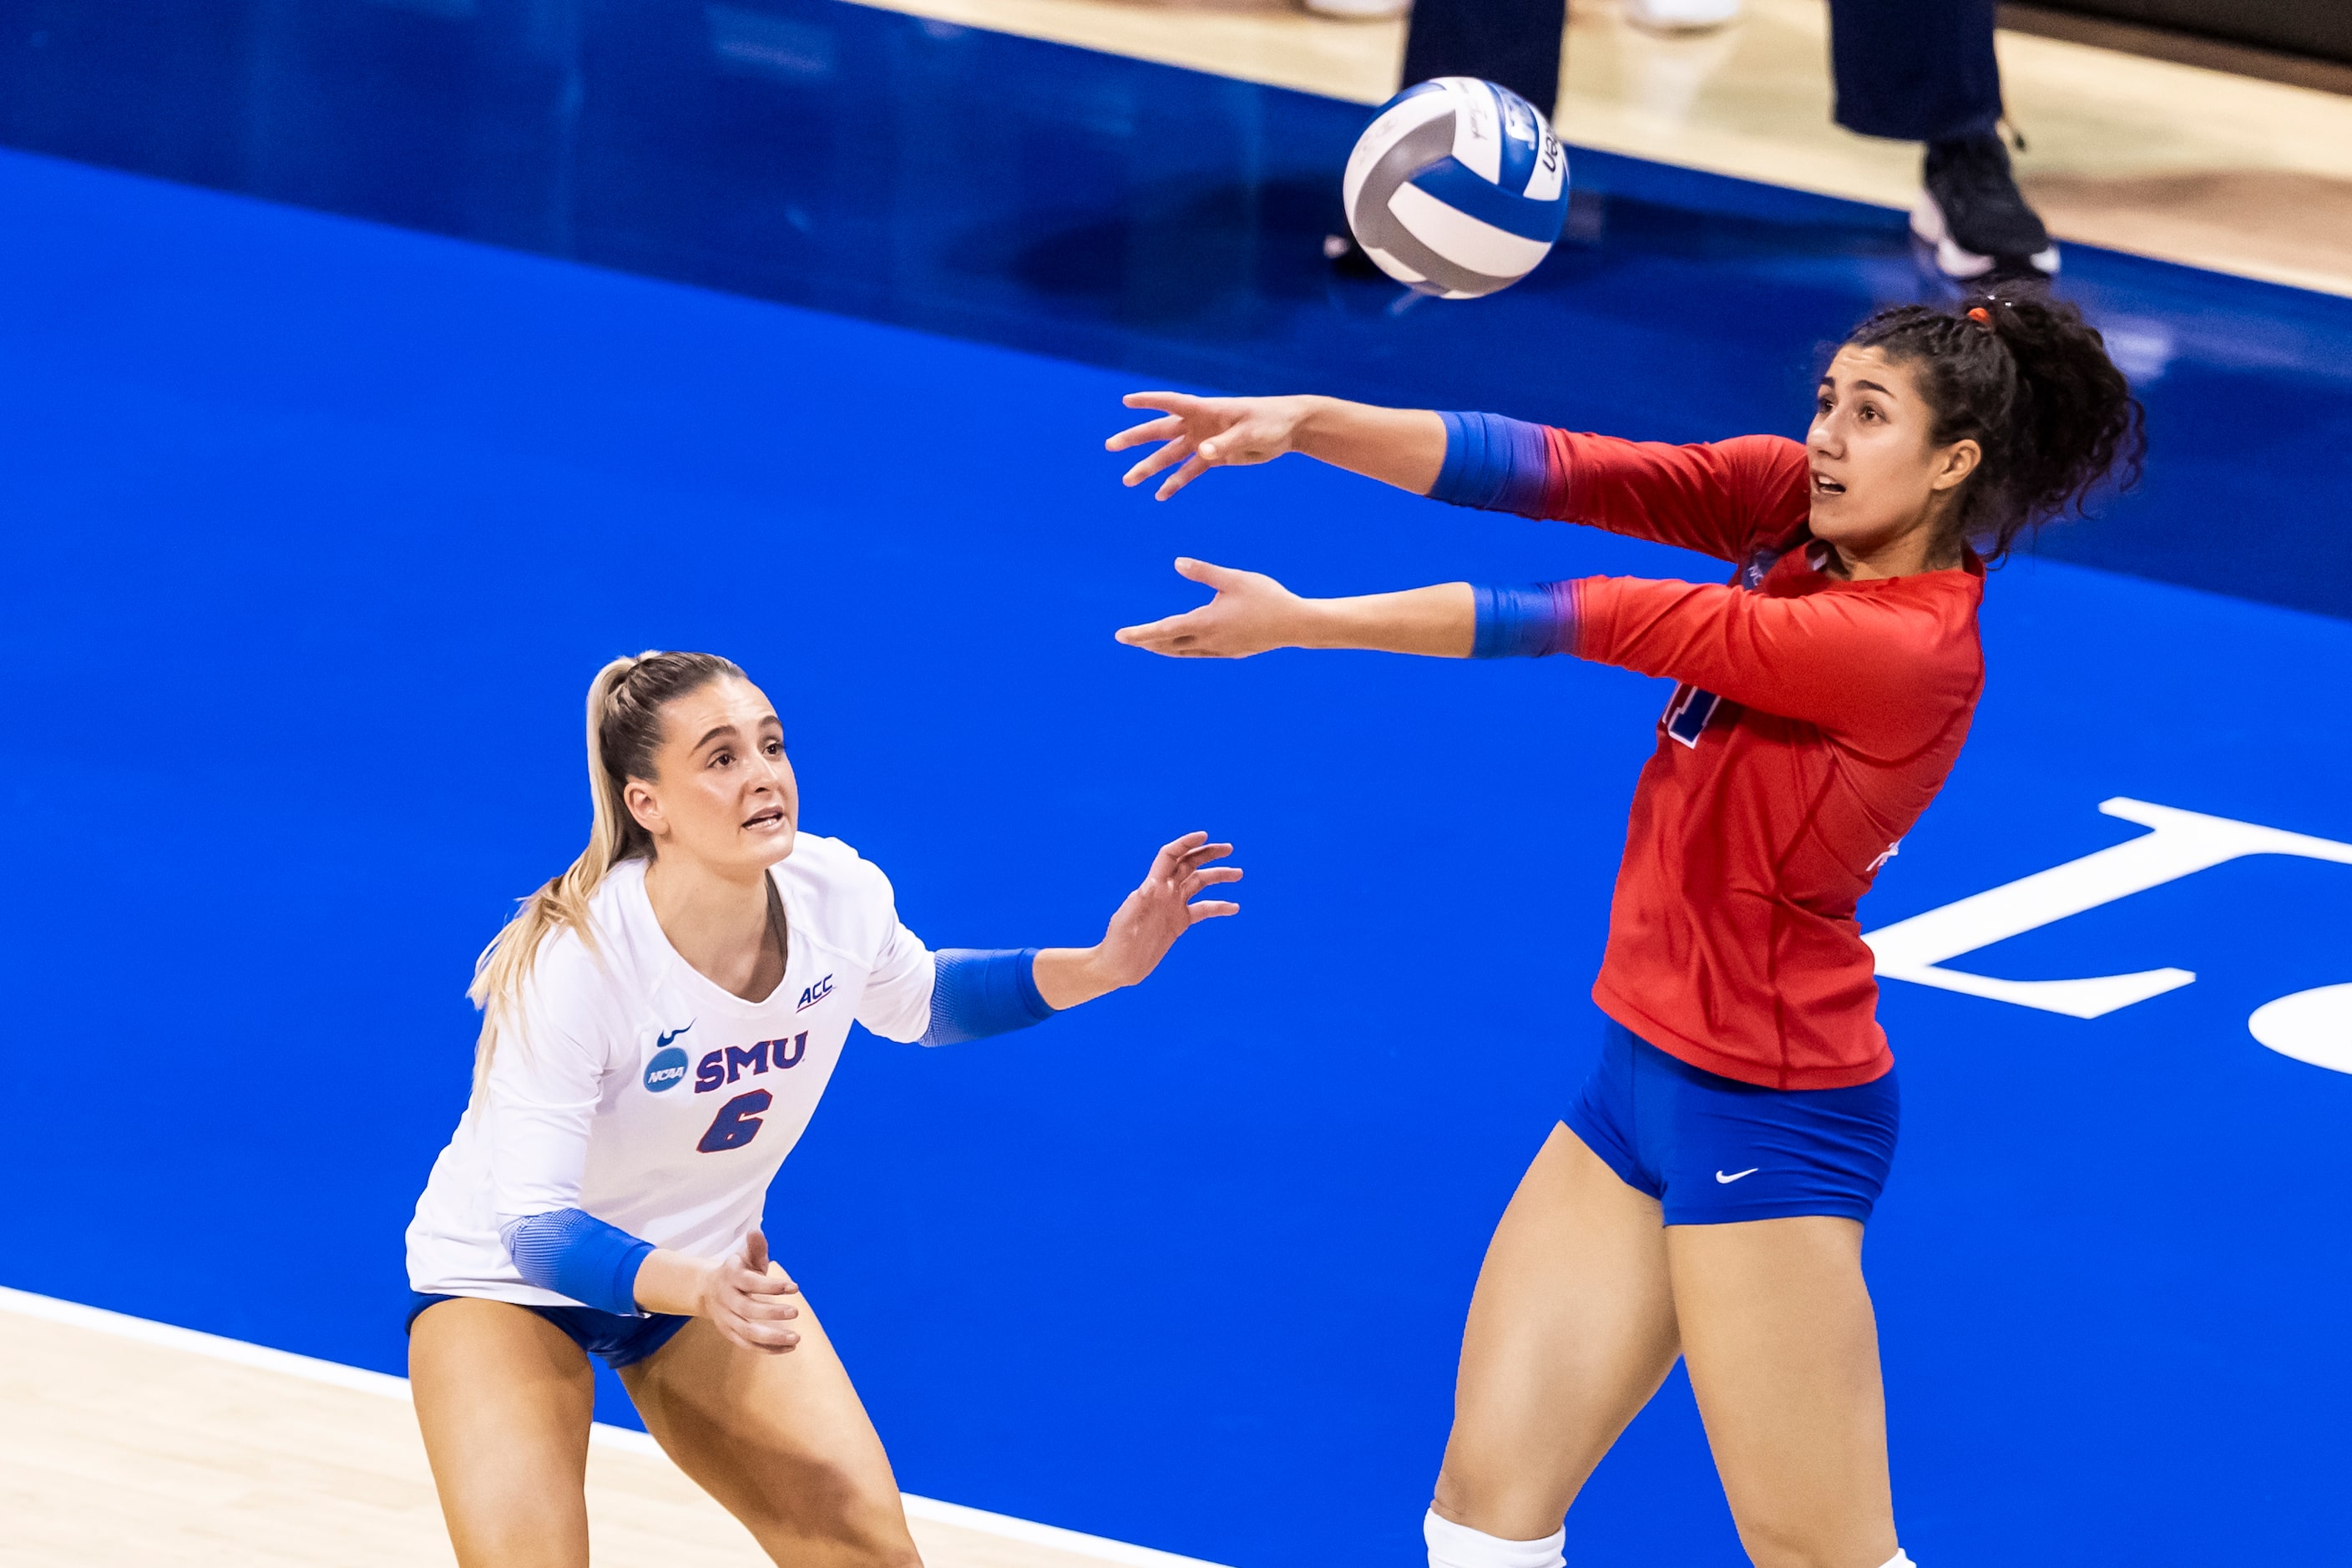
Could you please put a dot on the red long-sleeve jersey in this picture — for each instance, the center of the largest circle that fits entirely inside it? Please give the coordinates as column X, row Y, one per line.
column 1815, row 719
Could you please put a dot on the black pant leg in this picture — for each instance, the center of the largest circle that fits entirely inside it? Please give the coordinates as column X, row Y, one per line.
column 1916, row 70
column 1513, row 42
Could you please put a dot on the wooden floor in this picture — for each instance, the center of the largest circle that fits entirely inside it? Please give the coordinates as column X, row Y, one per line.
column 130, row 1442
column 2155, row 156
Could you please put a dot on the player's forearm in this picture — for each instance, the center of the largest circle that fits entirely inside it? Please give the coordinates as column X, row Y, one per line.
column 672, row 1282
column 1439, row 622
column 1066, row 976
column 604, row 1267
column 746, row 1297
column 1401, row 446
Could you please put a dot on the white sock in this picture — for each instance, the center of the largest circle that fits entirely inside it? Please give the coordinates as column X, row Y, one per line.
column 1901, row 1559
column 1453, row 1545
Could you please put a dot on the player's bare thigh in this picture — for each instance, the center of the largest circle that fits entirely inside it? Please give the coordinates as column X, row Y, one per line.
column 1572, row 1331
column 504, row 1399
column 1782, row 1349
column 781, row 1441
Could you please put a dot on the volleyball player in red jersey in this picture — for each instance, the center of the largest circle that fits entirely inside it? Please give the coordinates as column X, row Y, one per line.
column 1704, row 1193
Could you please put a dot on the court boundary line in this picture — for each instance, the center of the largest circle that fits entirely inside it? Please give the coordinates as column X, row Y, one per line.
column 385, row 1385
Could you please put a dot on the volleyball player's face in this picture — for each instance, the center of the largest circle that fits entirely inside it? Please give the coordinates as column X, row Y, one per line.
column 1874, row 475
column 725, row 792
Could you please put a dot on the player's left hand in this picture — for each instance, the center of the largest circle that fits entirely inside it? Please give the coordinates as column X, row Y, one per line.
column 1148, row 922
column 1145, row 926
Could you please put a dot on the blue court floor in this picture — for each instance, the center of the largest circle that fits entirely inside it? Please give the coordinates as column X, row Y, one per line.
column 326, row 494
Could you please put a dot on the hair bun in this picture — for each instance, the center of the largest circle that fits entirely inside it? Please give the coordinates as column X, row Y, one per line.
column 2029, row 380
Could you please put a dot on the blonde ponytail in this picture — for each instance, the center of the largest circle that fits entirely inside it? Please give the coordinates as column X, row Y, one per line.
column 624, row 703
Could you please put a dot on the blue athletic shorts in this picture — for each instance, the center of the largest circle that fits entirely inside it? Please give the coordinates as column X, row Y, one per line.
column 1714, row 1151
column 621, row 1341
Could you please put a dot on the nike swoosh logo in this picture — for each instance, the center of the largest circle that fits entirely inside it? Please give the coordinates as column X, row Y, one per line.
column 673, row 1033
column 1727, row 1180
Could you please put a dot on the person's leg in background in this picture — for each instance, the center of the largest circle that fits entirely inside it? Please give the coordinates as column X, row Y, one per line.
column 1512, row 43
column 1680, row 16
column 1358, row 10
column 1657, row 15
column 1924, row 70
column 1516, row 43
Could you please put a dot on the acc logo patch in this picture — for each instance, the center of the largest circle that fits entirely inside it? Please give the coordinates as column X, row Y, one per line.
column 667, row 1070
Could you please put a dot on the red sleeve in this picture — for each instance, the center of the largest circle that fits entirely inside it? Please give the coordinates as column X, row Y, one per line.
column 1720, row 497
column 1870, row 665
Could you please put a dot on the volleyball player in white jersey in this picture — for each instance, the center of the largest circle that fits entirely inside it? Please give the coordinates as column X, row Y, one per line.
column 658, row 1023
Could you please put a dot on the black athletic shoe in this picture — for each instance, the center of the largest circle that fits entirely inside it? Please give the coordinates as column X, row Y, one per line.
column 1971, row 212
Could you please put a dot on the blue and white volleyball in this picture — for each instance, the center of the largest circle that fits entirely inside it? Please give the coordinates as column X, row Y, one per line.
column 1457, row 187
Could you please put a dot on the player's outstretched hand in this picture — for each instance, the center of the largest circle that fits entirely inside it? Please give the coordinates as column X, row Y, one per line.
column 1204, row 433
column 1251, row 614
column 1145, row 926
column 1151, row 917
column 750, row 1300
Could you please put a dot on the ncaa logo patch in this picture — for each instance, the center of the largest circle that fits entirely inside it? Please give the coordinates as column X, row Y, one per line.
column 667, row 1070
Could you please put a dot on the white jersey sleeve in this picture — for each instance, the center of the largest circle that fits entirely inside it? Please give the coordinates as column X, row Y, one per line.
column 900, row 971
column 897, row 1003
column 548, row 1074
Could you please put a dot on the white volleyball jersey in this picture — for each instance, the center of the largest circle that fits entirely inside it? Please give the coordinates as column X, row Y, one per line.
column 629, row 1085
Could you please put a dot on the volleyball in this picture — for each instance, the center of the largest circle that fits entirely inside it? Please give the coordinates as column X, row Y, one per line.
column 1457, row 187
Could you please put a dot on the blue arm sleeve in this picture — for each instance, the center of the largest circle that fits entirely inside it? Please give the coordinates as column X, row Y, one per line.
column 1495, row 464
column 1525, row 623
column 978, row 993
column 574, row 1254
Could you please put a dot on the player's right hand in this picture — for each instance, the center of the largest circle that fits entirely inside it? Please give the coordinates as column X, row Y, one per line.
column 1251, row 614
column 1204, row 433
column 750, row 1300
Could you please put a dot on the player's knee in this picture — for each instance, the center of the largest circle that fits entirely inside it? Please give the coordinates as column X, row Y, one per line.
column 1461, row 1493
column 1500, row 1498
column 1781, row 1545
column 856, row 1509
column 1787, row 1542
column 519, row 1539
column 896, row 1552
column 888, row 1547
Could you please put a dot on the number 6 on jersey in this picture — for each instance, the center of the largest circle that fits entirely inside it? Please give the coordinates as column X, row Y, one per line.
column 736, row 1123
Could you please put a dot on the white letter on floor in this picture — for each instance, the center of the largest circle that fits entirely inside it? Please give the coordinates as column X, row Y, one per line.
column 2182, row 842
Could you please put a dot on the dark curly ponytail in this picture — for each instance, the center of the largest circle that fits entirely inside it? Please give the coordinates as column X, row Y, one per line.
column 2029, row 381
